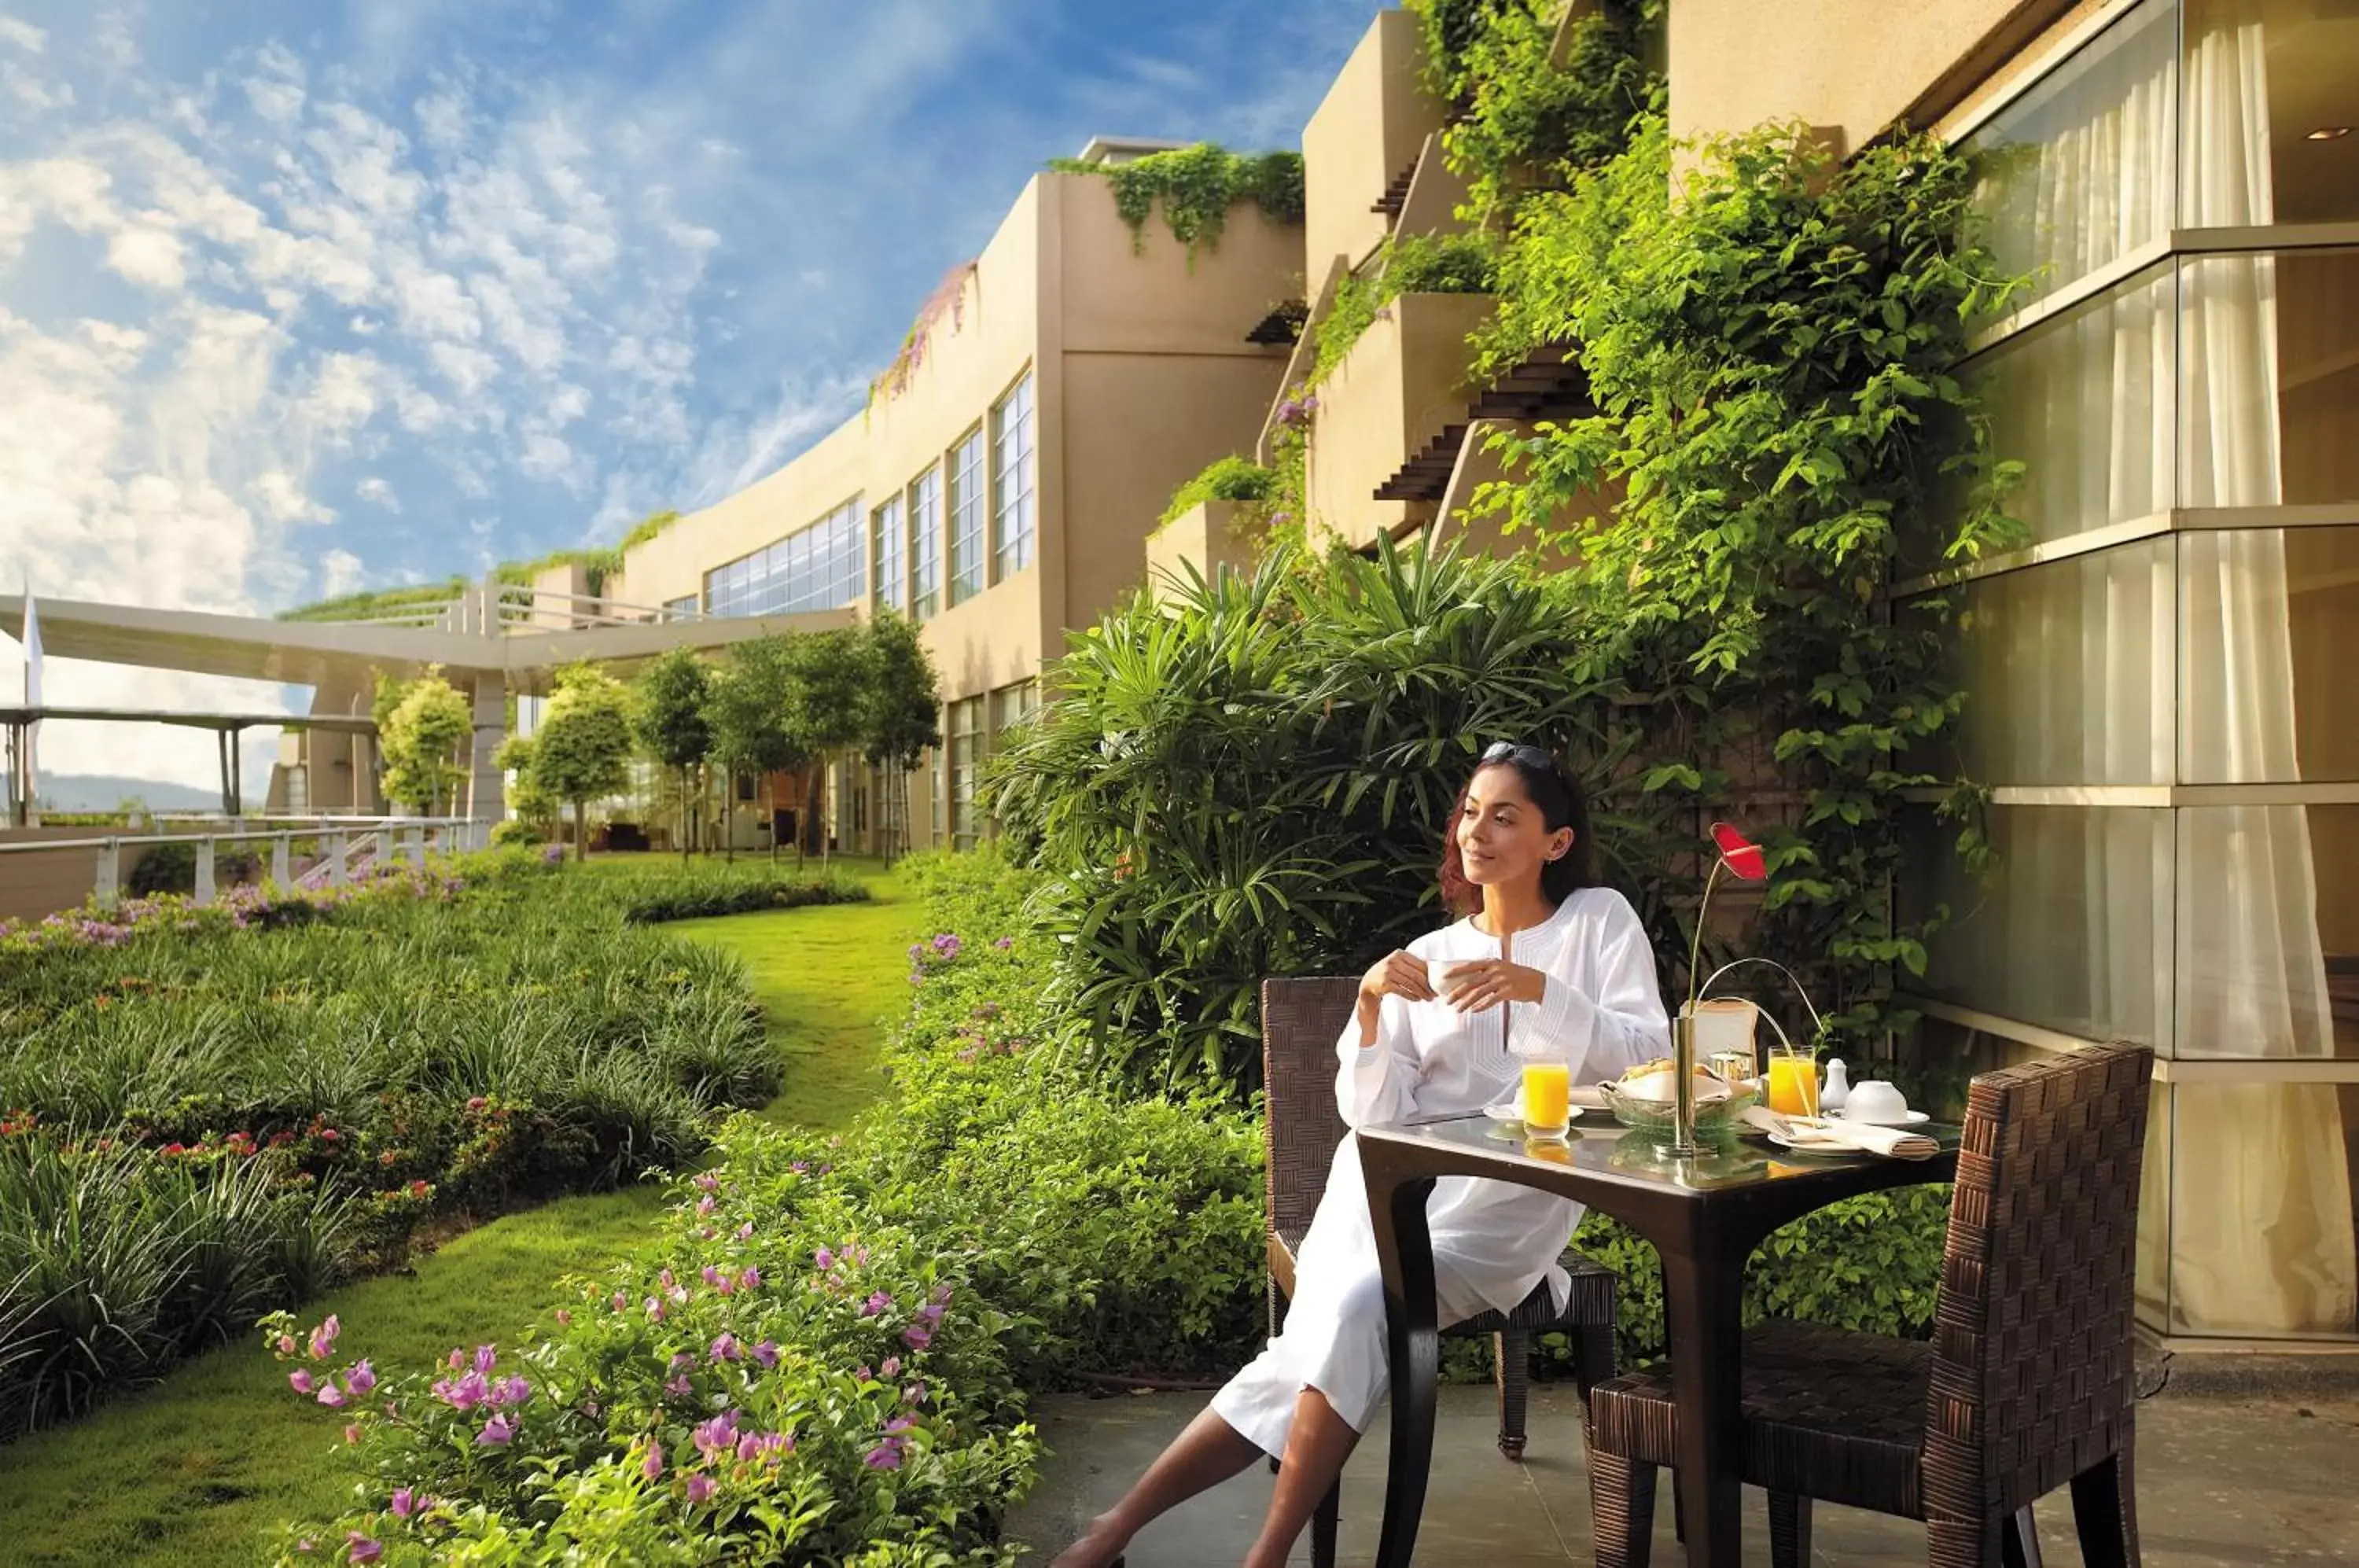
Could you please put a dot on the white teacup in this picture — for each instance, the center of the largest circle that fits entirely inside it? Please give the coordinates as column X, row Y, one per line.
column 1439, row 970
column 1874, row 1100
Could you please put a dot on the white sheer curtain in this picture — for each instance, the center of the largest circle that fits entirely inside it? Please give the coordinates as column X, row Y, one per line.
column 2262, row 1232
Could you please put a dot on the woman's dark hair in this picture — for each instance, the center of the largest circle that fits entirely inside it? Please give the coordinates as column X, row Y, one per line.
column 1552, row 788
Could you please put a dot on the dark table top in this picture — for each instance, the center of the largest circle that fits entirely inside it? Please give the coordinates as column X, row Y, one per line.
column 1597, row 1150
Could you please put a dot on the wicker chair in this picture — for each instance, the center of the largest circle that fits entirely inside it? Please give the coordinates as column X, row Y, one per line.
column 2026, row 1386
column 1300, row 1022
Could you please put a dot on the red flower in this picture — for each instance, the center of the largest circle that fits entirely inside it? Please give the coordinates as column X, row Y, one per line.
column 1740, row 855
column 175, row 1148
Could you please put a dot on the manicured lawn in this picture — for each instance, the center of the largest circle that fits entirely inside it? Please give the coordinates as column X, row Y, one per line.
column 201, row 1468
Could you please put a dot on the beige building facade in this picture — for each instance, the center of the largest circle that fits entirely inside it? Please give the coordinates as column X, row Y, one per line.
column 1001, row 485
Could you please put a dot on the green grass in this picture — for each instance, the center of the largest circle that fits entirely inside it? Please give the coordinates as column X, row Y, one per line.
column 201, row 1469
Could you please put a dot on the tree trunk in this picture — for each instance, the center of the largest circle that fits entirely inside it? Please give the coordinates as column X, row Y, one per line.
column 770, row 804
column 826, row 840
column 683, row 816
column 729, row 817
column 581, row 832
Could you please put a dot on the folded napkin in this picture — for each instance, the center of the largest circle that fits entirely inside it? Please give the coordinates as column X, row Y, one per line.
column 1893, row 1143
column 1589, row 1096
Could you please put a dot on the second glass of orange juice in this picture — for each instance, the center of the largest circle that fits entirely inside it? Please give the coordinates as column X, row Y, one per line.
column 1548, row 1097
column 1793, row 1084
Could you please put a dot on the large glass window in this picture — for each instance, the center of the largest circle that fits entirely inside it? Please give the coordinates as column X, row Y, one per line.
column 926, row 543
column 966, row 741
column 817, row 568
column 1012, row 484
column 888, row 536
column 967, row 518
column 2269, row 931
column 1011, row 706
column 683, row 608
column 2269, row 379
column 2072, row 930
column 2268, row 87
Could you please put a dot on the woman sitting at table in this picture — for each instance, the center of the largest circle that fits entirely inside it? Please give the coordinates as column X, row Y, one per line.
column 1544, row 954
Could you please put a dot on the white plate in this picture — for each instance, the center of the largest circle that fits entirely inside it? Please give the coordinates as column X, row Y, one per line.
column 1514, row 1112
column 1914, row 1119
column 1814, row 1146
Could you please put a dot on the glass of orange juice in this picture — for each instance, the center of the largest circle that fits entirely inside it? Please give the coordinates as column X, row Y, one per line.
column 1548, row 1097
column 1793, row 1084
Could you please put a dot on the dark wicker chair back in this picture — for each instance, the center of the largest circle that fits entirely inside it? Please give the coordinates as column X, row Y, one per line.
column 2032, row 1380
column 1299, row 1023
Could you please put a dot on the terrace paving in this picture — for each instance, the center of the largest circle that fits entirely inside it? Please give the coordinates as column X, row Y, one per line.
column 2223, row 1479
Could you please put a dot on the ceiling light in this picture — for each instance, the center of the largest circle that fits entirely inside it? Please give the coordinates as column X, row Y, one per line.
column 2328, row 134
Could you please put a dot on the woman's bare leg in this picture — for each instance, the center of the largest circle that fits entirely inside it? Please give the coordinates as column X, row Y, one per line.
column 1316, row 1446
column 1207, row 1453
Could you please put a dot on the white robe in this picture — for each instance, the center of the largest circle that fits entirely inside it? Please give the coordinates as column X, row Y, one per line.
column 1492, row 1241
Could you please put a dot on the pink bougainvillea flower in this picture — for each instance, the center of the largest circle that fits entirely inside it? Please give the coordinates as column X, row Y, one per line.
column 917, row 1337
column 752, row 1279
column 484, row 1356
column 707, row 1181
column 465, row 1394
column 323, row 1338
column 745, row 1231
column 877, row 1303
column 825, row 1258
column 679, row 1388
column 511, row 1391
column 351, row 1434
column 405, row 1502
column 1740, row 855
column 915, row 1394
column 300, row 1380
column 622, row 1302
column 652, row 1466
column 766, row 1353
column 361, row 1378
column 285, row 1344
column 498, row 1433
column 725, row 1348
column 564, row 1318
column 716, row 1435
column 363, row 1550
column 898, row 1425
column 1003, row 944
column 883, row 1457
column 704, row 1205
column 331, row 1396
column 700, row 1489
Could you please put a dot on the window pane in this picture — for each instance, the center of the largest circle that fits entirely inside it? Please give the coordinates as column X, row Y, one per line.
column 1012, row 479
column 2068, row 671
column 2077, row 172
column 2261, row 77
column 2260, row 1214
column 2270, row 395
column 967, row 518
column 2074, row 931
column 966, row 757
column 2084, row 401
column 926, row 541
column 2269, row 931
column 2268, row 620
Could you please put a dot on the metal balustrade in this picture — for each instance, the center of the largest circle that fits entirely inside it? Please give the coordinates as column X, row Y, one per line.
column 349, row 846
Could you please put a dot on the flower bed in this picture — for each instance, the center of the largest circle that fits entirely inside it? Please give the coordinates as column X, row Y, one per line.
column 213, row 1111
column 820, row 1357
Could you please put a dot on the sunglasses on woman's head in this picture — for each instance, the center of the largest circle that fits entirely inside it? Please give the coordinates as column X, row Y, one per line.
column 1530, row 756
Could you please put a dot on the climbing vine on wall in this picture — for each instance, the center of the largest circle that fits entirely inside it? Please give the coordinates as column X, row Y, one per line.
column 1196, row 186
column 948, row 300
column 1411, row 264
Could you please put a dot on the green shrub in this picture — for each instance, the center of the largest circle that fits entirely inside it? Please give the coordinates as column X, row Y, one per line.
column 1196, row 186
column 515, row 832
column 696, row 895
column 1224, row 479
column 1412, row 263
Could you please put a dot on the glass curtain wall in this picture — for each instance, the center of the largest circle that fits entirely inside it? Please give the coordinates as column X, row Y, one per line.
column 1013, row 502
column 926, row 543
column 817, row 568
column 2161, row 692
column 967, row 515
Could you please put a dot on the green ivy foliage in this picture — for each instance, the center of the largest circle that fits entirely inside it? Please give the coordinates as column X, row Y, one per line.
column 1411, row 264
column 1196, row 186
column 1224, row 479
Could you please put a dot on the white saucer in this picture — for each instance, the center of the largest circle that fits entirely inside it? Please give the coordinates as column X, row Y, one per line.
column 1914, row 1119
column 1514, row 1112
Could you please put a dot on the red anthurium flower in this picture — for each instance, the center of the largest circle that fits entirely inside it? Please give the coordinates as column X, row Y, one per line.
column 1740, row 855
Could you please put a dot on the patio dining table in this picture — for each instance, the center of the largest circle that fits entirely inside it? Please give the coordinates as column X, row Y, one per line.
column 1704, row 1214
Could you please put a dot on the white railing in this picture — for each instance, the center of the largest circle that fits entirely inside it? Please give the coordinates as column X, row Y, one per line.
column 348, row 846
column 487, row 610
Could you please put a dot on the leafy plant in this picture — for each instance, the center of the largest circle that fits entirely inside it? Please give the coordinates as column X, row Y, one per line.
column 668, row 718
column 647, row 529
column 421, row 728
column 903, row 720
column 1196, row 186
column 581, row 752
column 1223, row 479
column 751, row 708
column 1411, row 264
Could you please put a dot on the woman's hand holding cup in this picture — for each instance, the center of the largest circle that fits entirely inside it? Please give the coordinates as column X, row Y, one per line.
column 1396, row 974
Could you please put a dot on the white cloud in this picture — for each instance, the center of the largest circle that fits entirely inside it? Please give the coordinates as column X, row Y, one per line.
column 22, row 35
column 148, row 255
column 378, row 490
column 340, row 574
column 283, row 500
column 344, row 393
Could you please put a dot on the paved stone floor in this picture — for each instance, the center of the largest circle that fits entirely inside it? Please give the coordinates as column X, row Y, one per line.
column 2219, row 1480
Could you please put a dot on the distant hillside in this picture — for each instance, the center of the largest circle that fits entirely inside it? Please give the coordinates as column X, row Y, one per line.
column 105, row 792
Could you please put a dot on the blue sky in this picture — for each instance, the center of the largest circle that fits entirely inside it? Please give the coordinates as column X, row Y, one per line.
column 298, row 297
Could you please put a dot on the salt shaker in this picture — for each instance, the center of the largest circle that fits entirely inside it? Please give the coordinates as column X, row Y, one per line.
column 1837, row 1086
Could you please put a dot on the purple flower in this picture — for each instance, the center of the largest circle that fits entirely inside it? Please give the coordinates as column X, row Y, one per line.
column 652, row 1466
column 718, row 1434
column 725, row 1348
column 361, row 1378
column 300, row 1380
column 655, row 1309
column 890, row 1370
column 323, row 1338
column 363, row 1549
column 465, row 1394
column 679, row 1388
column 898, row 1425
column 484, row 1356
column 883, row 1457
column 751, row 1279
column 748, row 1445
column 917, row 1337
column 718, row 1280
column 915, row 1394
column 331, row 1396
column 707, row 1181
column 405, row 1502
column 875, row 1303
column 766, row 1353
column 704, row 1205
column 745, row 1231
column 948, row 945
column 622, row 1302
column 825, row 1258
column 511, row 1391
column 700, row 1489
column 497, row 1432
column 1003, row 944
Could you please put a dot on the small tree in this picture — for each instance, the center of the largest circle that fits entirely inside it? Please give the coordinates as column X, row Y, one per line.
column 582, row 750
column 901, row 717
column 830, row 697
column 421, row 726
column 752, row 710
column 534, row 806
column 669, row 716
